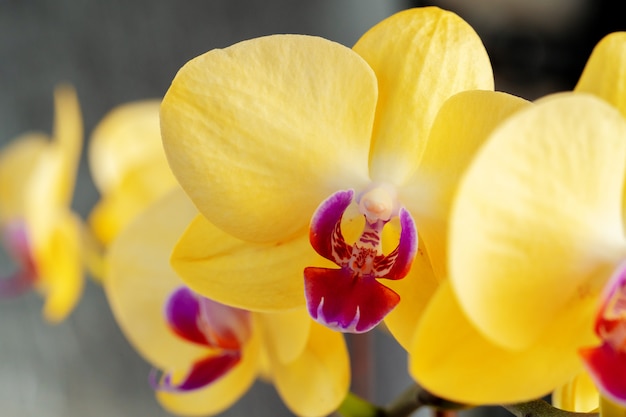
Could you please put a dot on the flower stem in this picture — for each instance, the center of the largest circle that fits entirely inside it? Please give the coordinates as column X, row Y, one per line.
column 540, row 408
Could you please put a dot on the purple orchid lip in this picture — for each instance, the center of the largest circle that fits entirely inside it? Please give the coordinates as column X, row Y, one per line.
column 204, row 322
column 350, row 299
column 15, row 240
column 607, row 363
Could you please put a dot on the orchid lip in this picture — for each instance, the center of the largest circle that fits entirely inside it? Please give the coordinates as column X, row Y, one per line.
column 350, row 299
column 206, row 322
column 199, row 320
column 607, row 363
column 202, row 373
column 15, row 240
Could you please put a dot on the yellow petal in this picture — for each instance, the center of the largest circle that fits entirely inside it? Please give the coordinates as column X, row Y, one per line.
column 610, row 408
column 52, row 182
column 219, row 395
column 260, row 133
column 127, row 137
column 415, row 291
column 459, row 130
column 317, row 381
column 59, row 267
column 139, row 281
column 605, row 72
column 421, row 57
column 536, row 229
column 18, row 161
column 68, row 142
column 251, row 276
column 139, row 188
column 285, row 334
column 578, row 395
column 450, row 358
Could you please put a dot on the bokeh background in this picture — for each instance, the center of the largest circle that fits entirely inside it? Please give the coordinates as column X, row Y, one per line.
column 117, row 51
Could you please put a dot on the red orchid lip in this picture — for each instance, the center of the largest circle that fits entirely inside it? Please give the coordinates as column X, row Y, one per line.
column 350, row 299
column 202, row 373
column 16, row 242
column 607, row 363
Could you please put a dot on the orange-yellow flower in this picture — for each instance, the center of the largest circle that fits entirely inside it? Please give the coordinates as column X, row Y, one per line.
column 537, row 245
column 291, row 145
column 40, row 231
column 209, row 353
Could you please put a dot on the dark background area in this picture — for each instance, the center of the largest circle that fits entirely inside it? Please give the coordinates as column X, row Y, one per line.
column 117, row 51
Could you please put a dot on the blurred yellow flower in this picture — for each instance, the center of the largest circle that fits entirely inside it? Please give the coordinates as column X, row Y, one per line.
column 37, row 179
column 287, row 141
column 579, row 395
column 537, row 284
column 210, row 353
column 128, row 166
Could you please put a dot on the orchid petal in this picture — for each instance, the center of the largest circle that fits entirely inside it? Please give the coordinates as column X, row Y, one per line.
column 139, row 259
column 315, row 383
column 578, row 395
column 128, row 136
column 536, row 228
column 257, row 277
column 17, row 164
column 421, row 57
column 59, row 268
column 67, row 145
column 604, row 74
column 341, row 301
column 448, row 352
column 139, row 188
column 286, row 334
column 222, row 393
column 461, row 127
column 259, row 133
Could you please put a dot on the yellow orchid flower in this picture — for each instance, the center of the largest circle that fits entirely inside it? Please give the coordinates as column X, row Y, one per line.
column 40, row 232
column 537, row 247
column 211, row 353
column 128, row 166
column 286, row 142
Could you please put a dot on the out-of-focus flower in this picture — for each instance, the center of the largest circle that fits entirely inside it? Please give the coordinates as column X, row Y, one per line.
column 210, row 353
column 40, row 232
column 290, row 141
column 128, row 166
column 537, row 230
column 579, row 395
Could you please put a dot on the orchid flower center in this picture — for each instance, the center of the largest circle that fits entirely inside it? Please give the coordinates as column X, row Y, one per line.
column 350, row 298
column 16, row 243
column 204, row 322
column 607, row 363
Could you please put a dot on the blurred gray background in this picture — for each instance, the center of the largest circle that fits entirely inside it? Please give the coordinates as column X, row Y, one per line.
column 117, row 51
